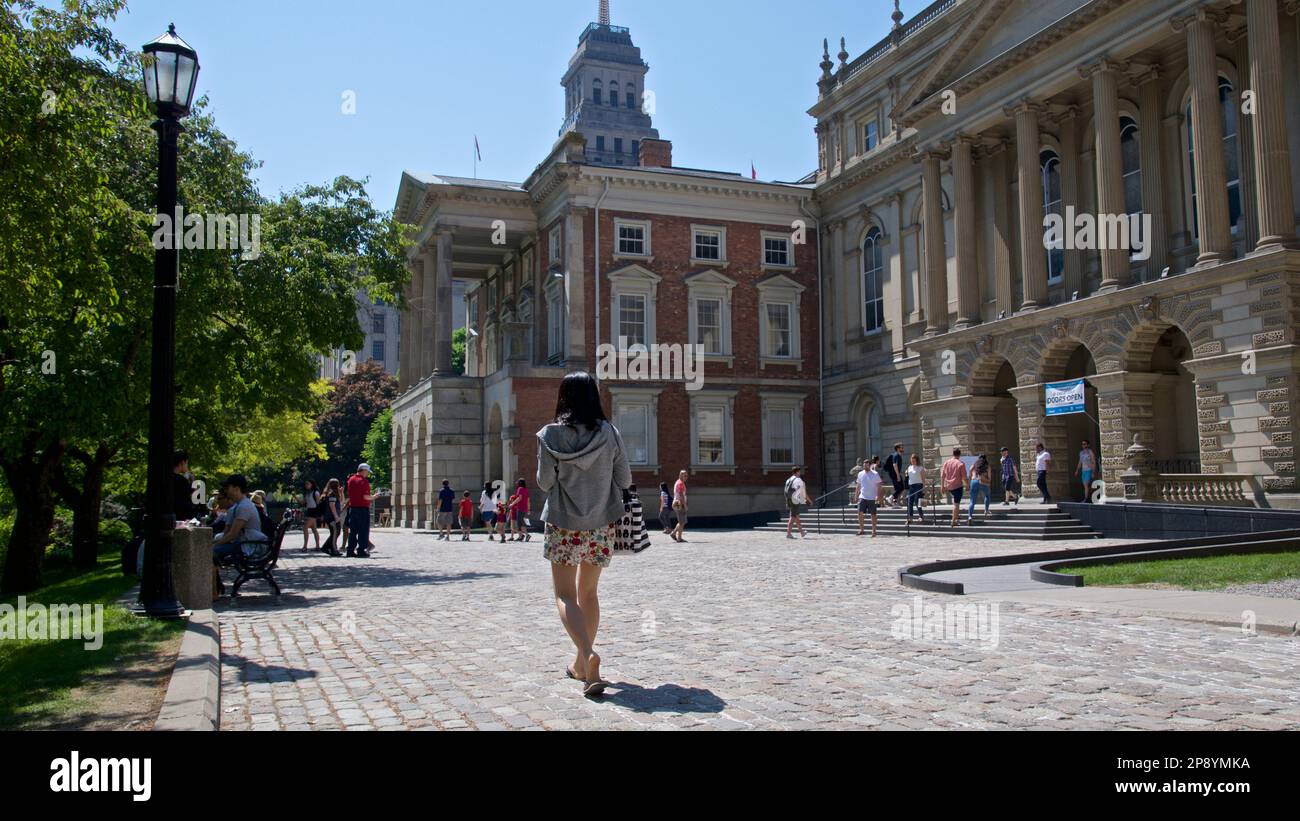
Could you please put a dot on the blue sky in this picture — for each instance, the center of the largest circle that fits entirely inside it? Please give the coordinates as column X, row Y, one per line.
column 732, row 79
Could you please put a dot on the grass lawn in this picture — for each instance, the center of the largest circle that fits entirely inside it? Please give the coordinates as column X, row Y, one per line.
column 1211, row 573
column 60, row 684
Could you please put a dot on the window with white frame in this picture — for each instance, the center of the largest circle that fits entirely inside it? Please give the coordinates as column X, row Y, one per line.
column 710, row 312
column 711, row 429
column 778, row 318
column 632, row 306
column 555, row 320
column 633, row 238
column 782, row 430
column 632, row 319
column 779, row 329
column 635, row 414
column 776, row 251
column 708, row 244
column 873, row 282
column 870, row 135
column 554, row 249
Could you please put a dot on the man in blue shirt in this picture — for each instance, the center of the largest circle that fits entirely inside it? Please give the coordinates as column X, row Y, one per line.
column 446, row 511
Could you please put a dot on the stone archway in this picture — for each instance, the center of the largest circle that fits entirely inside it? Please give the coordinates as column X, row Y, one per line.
column 399, row 480
column 1176, row 441
column 994, row 413
column 1063, row 436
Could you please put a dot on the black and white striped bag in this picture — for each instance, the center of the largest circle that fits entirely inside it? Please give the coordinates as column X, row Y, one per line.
column 630, row 537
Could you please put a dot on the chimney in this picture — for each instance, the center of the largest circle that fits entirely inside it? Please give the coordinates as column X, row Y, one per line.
column 657, row 153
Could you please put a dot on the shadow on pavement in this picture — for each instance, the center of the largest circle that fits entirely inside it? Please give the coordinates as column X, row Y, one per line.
column 253, row 671
column 666, row 698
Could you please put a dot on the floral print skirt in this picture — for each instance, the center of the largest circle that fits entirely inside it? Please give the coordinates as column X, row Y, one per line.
column 576, row 547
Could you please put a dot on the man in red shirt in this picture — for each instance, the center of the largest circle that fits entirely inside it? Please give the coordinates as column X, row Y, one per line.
column 359, row 499
column 955, row 480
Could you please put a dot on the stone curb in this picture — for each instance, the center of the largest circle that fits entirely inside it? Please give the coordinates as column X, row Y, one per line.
column 193, row 700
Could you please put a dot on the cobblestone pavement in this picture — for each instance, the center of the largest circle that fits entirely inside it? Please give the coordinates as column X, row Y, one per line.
column 734, row 630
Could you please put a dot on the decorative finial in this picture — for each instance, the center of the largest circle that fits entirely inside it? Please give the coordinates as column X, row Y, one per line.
column 603, row 13
column 844, row 54
column 826, row 63
column 897, row 15
column 171, row 28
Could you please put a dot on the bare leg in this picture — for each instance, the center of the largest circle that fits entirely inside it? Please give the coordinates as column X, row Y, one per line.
column 572, row 617
column 589, row 602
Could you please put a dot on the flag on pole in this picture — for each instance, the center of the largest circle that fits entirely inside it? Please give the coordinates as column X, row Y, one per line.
column 478, row 151
column 753, row 172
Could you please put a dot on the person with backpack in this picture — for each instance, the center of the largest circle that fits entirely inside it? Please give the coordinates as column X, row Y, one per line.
column 796, row 500
column 582, row 468
column 895, row 471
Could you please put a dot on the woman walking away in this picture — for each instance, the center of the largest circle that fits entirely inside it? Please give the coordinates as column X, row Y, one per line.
column 487, row 508
column 311, row 504
column 332, row 515
column 915, row 488
column 665, row 508
column 981, row 482
column 582, row 468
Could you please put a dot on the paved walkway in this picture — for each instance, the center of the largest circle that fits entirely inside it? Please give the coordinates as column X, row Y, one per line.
column 734, row 630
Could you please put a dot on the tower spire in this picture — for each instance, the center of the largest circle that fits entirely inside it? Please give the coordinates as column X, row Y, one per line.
column 603, row 13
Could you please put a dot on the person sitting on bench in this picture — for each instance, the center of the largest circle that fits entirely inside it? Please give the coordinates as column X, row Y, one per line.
column 242, row 523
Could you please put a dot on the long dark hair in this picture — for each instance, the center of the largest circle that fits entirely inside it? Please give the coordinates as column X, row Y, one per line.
column 579, row 402
column 982, row 465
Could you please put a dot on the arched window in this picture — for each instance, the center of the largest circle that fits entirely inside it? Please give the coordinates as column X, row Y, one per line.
column 1050, row 163
column 613, row 94
column 597, row 92
column 1231, row 157
column 873, row 282
column 874, row 441
column 1131, row 151
column 631, row 97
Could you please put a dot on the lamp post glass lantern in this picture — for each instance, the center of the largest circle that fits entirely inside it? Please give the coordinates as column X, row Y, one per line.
column 171, row 71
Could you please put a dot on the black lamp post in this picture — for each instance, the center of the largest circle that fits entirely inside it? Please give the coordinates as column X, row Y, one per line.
column 171, row 70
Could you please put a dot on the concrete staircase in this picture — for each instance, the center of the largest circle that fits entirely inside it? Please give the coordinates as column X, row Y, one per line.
column 1034, row 522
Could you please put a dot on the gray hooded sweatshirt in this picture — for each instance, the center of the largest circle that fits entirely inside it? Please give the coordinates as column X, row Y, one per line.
column 583, row 472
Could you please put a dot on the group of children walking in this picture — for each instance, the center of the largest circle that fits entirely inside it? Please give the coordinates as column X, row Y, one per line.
column 500, row 515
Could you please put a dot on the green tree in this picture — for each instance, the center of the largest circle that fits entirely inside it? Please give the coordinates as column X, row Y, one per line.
column 458, row 339
column 378, row 450
column 355, row 401
column 74, row 312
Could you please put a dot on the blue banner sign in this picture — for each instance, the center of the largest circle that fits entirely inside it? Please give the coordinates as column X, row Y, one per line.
column 1065, row 398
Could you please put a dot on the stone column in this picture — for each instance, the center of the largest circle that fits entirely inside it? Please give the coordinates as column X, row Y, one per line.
column 995, row 180
column 1073, row 274
column 1272, row 155
column 399, row 483
column 442, row 307
column 1207, row 138
column 936, row 256
column 969, row 301
column 895, row 310
column 404, row 380
column 1033, row 256
column 1153, row 182
column 428, row 313
column 1110, row 171
column 416, row 317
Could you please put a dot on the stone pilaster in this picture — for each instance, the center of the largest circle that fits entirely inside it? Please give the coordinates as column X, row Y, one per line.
column 440, row 363
column 969, row 299
column 1033, row 256
column 428, row 313
column 575, row 289
column 1207, row 137
column 416, row 319
column 1125, row 407
column 1110, row 168
column 936, row 255
column 994, row 165
column 1276, row 205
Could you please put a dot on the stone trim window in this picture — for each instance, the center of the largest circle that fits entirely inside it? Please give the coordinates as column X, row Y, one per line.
column 632, row 305
column 869, row 128
column 636, row 415
column 1050, row 167
column 632, row 238
column 555, row 321
column 777, row 252
column 710, row 313
column 712, row 431
column 782, row 431
column 873, row 283
column 778, row 321
column 708, row 245
column 1231, row 155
